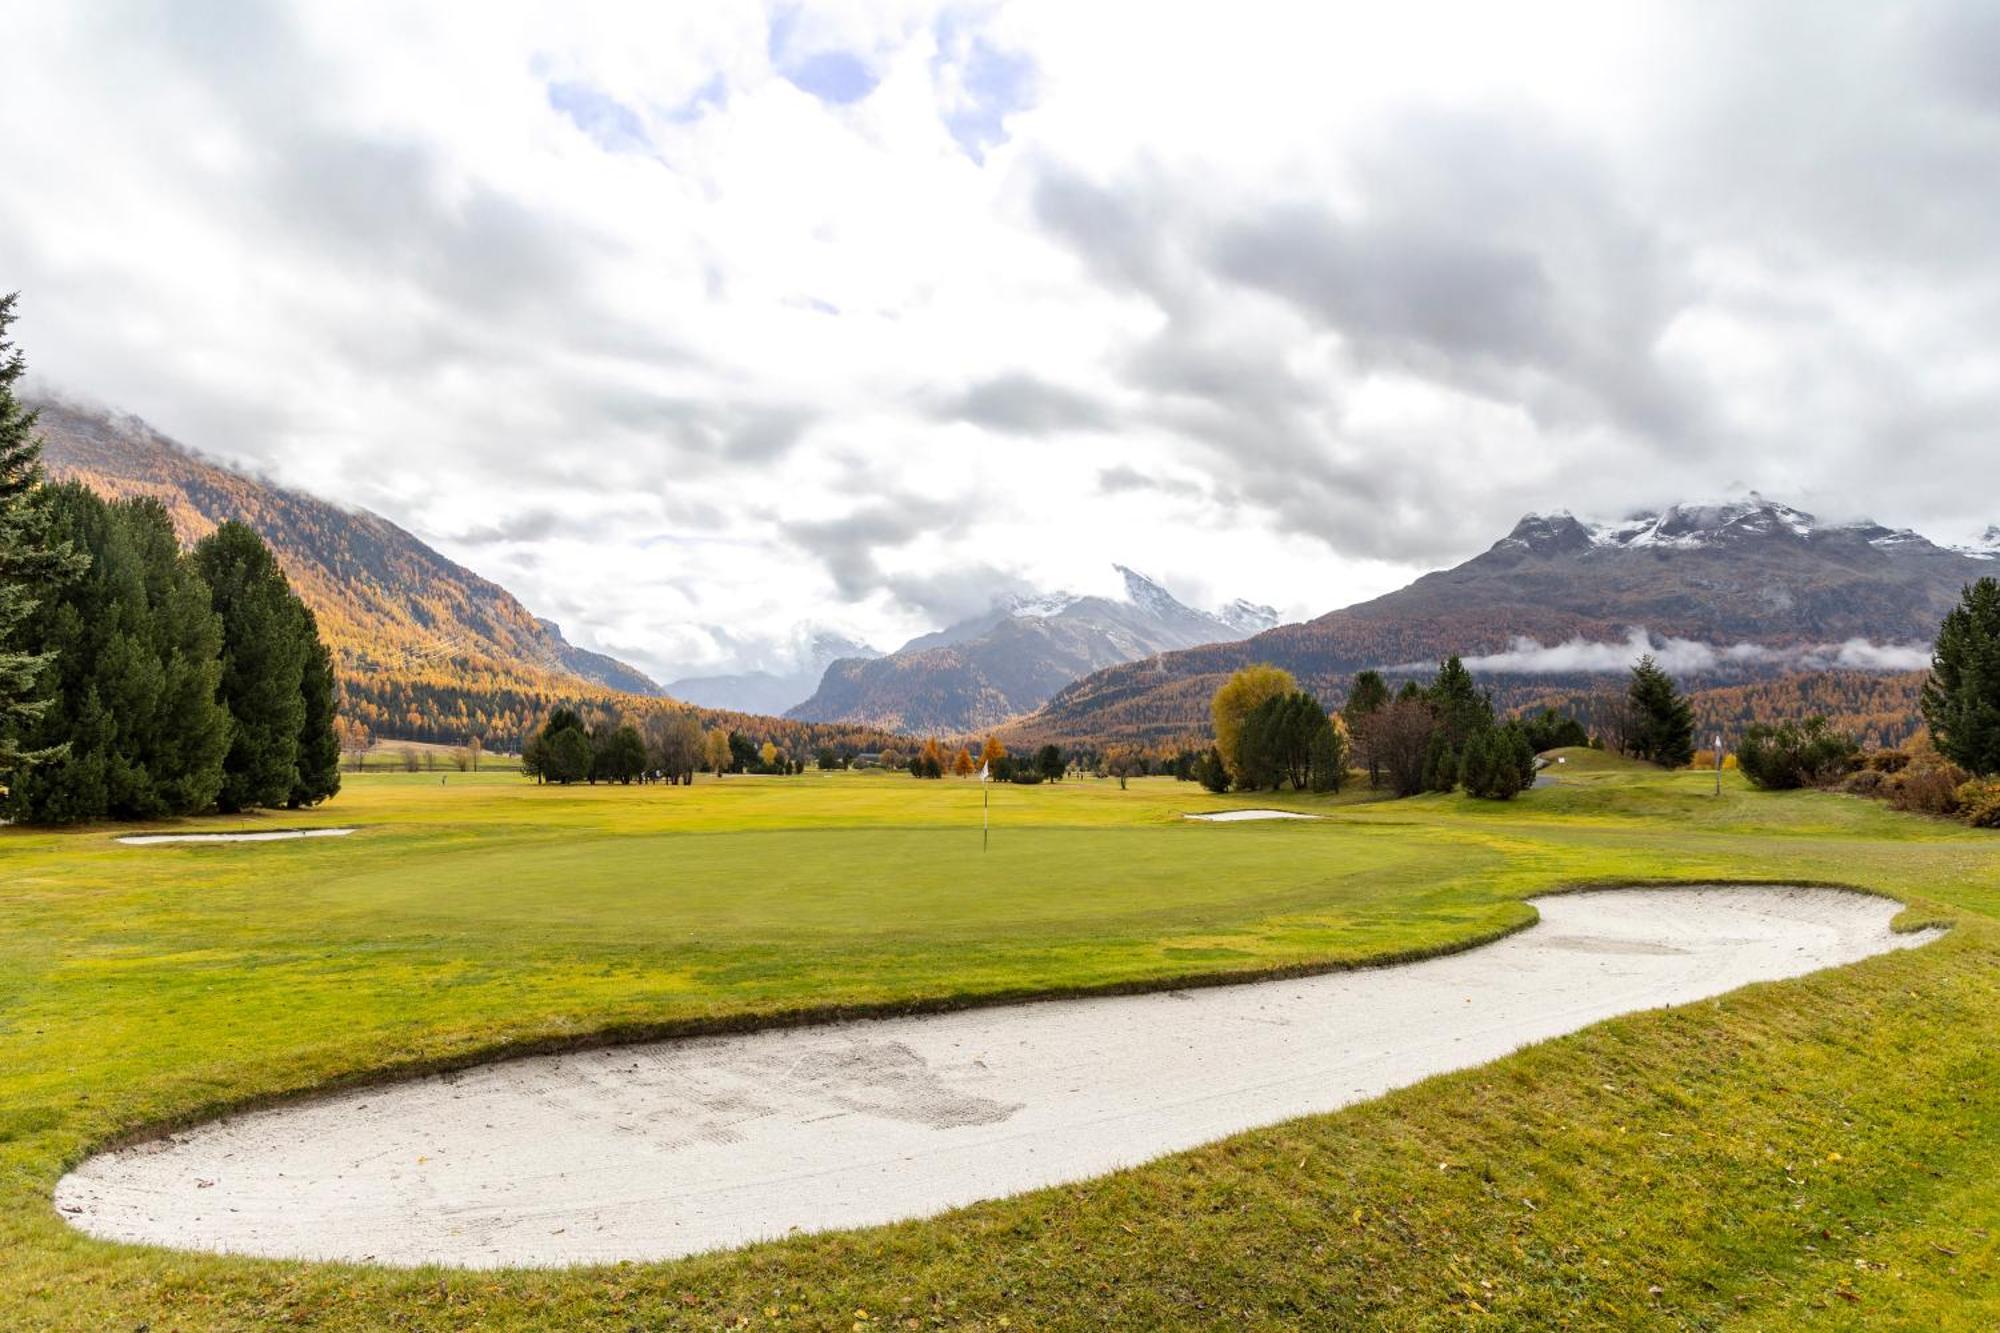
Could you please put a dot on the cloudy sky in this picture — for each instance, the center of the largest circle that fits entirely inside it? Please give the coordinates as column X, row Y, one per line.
column 695, row 324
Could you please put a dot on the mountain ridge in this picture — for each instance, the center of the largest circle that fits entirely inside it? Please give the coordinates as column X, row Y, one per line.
column 1746, row 571
column 987, row 668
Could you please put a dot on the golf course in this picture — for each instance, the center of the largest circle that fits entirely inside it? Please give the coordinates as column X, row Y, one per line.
column 1821, row 1150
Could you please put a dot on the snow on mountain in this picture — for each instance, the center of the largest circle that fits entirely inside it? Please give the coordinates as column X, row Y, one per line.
column 1694, row 525
column 1247, row 618
column 1986, row 548
column 1041, row 606
column 1011, row 658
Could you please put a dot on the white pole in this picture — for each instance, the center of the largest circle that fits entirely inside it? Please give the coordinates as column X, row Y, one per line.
column 1718, row 763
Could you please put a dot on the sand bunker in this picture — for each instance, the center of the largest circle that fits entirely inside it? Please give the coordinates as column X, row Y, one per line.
column 268, row 835
column 1236, row 816
column 652, row 1151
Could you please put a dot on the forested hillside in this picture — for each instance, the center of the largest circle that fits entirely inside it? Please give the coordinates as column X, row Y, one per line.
column 424, row 649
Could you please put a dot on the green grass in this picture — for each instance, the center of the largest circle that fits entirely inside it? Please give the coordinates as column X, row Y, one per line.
column 1823, row 1151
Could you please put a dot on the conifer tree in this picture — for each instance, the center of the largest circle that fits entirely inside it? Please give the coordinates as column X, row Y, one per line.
column 1662, row 721
column 318, row 775
column 29, row 560
column 135, row 650
column 1462, row 708
column 264, row 651
column 1440, row 773
column 1961, row 699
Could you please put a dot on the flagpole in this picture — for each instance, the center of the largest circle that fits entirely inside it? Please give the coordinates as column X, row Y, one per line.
column 985, row 807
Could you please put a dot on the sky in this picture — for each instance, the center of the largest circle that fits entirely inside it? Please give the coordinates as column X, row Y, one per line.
column 700, row 327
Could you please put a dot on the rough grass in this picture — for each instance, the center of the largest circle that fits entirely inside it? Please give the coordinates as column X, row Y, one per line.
column 1822, row 1151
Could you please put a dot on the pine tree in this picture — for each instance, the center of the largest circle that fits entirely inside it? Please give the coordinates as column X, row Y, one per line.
column 1440, row 770
column 318, row 775
column 135, row 650
column 1476, row 767
column 264, row 650
column 1462, row 707
column 1961, row 699
column 1329, row 757
column 1366, row 699
column 180, row 728
column 29, row 561
column 1662, row 721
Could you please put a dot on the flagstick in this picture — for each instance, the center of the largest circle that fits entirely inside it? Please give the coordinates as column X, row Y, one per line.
column 985, row 818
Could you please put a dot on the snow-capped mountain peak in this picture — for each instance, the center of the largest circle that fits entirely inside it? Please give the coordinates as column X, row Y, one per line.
column 1986, row 548
column 1247, row 617
column 1696, row 525
column 1148, row 595
column 1041, row 605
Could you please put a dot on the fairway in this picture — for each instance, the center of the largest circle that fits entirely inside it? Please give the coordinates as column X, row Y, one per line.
column 151, row 985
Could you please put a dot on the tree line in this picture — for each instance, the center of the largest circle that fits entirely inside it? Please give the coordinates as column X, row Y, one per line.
column 1950, row 769
column 654, row 741
column 138, row 680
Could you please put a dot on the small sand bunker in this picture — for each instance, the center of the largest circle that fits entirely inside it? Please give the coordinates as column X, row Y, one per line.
column 263, row 835
column 670, row 1148
column 1237, row 816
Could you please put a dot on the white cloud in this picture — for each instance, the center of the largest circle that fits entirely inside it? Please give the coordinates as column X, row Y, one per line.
column 633, row 310
column 1529, row 657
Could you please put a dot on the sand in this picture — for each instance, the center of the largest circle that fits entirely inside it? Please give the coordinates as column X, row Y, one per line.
column 652, row 1151
column 271, row 835
column 1237, row 816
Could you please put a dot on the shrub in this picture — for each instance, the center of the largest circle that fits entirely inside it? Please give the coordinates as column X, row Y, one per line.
column 1887, row 761
column 1927, row 789
column 1806, row 754
column 1979, row 802
column 1211, row 772
column 1865, row 782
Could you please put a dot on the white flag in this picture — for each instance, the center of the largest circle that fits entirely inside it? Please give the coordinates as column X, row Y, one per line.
column 982, row 772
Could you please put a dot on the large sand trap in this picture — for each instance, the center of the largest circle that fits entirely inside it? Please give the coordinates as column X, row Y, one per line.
column 651, row 1151
column 269, row 835
column 1237, row 816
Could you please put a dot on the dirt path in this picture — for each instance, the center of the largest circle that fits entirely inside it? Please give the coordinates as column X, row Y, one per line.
column 647, row 1152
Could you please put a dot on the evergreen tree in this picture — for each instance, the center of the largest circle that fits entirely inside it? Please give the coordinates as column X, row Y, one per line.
column 1477, row 769
column 1367, row 696
column 1440, row 762
column 1329, row 757
column 132, row 713
column 264, row 650
column 318, row 775
column 567, row 755
column 1366, row 699
column 1049, row 762
column 1211, row 772
column 178, row 725
column 29, row 561
column 1520, row 751
column 1961, row 699
column 1462, row 708
column 1662, row 721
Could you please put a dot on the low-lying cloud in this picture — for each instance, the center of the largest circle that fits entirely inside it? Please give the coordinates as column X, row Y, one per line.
column 1530, row 657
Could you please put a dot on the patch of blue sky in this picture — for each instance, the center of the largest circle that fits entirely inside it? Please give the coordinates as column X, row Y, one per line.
column 614, row 126
column 837, row 77
column 992, row 83
column 711, row 96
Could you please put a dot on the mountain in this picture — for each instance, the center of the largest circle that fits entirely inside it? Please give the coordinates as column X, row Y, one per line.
column 772, row 692
column 400, row 618
column 1011, row 658
column 1986, row 548
column 1754, row 589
